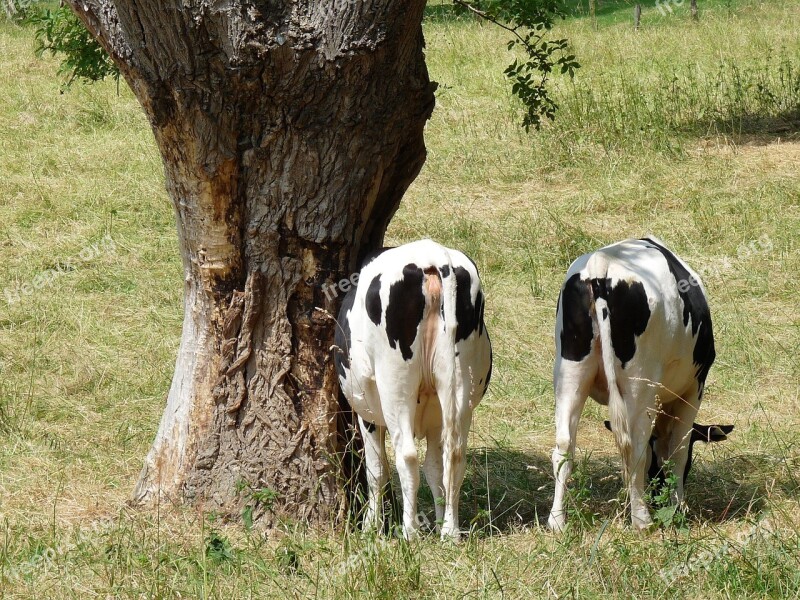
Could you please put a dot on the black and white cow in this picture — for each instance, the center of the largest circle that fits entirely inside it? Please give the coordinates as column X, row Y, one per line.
column 633, row 331
column 414, row 359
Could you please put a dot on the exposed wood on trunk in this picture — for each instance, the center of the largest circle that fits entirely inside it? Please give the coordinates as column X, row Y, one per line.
column 289, row 134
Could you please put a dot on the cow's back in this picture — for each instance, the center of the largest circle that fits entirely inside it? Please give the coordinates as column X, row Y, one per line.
column 660, row 320
column 381, row 321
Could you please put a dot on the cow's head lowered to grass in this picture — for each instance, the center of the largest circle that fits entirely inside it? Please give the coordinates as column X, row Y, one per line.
column 700, row 433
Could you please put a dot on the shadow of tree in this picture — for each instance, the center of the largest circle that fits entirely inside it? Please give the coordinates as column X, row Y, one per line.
column 439, row 12
column 737, row 486
column 506, row 488
column 603, row 8
column 753, row 130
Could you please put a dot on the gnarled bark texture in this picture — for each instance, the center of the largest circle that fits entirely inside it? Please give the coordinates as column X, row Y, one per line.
column 289, row 133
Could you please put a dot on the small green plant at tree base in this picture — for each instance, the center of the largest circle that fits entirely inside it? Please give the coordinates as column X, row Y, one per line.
column 481, row 522
column 659, row 496
column 263, row 498
column 218, row 548
column 287, row 556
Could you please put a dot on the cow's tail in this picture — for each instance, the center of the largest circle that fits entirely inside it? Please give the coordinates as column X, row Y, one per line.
column 617, row 409
column 444, row 365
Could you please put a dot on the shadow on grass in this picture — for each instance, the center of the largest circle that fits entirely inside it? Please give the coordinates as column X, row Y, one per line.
column 439, row 13
column 506, row 488
column 737, row 486
column 603, row 8
column 754, row 130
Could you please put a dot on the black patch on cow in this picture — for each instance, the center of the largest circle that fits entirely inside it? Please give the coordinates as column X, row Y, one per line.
column 342, row 337
column 479, row 306
column 705, row 434
column 629, row 312
column 405, row 309
column 576, row 319
column 605, row 313
column 372, row 301
column 468, row 314
column 489, row 372
column 695, row 306
column 372, row 255
column 370, row 427
column 445, row 271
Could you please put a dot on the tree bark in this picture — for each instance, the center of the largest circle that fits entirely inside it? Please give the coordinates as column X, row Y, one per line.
column 289, row 133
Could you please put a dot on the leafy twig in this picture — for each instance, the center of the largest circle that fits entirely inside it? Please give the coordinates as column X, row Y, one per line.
column 529, row 23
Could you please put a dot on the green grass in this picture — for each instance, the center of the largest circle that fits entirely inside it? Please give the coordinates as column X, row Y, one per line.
column 685, row 130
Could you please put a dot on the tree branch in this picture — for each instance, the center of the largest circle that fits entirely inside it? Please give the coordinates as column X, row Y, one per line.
column 492, row 19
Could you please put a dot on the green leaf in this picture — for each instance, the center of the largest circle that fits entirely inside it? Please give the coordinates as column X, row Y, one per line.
column 529, row 23
column 60, row 32
column 247, row 517
column 666, row 514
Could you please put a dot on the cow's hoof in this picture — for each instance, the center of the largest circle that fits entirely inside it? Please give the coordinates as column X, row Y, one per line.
column 452, row 534
column 643, row 526
column 556, row 524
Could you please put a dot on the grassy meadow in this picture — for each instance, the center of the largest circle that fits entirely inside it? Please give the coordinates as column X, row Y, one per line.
column 689, row 131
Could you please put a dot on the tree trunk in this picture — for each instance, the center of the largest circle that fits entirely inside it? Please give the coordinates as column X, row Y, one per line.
column 289, row 133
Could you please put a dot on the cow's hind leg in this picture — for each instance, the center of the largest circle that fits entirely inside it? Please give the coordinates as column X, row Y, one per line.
column 634, row 446
column 399, row 400
column 453, row 469
column 684, row 411
column 455, row 396
column 572, row 383
column 635, row 463
column 408, row 470
column 434, row 469
column 377, row 471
